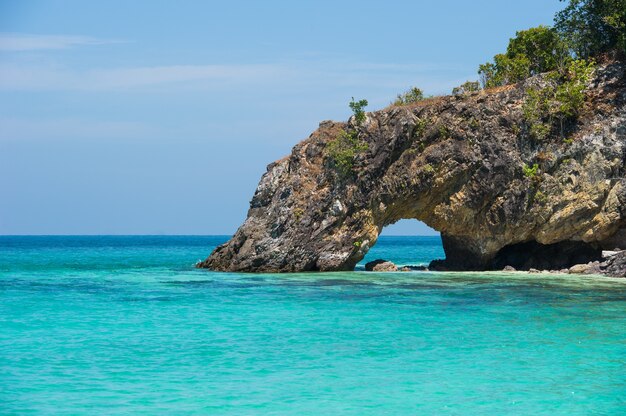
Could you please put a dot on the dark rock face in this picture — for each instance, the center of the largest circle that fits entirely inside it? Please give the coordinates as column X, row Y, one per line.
column 455, row 163
column 525, row 256
column 615, row 266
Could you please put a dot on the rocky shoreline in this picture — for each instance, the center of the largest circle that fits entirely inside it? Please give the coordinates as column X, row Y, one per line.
column 613, row 265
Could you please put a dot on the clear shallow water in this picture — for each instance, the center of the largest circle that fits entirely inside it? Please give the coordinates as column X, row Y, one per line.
column 116, row 325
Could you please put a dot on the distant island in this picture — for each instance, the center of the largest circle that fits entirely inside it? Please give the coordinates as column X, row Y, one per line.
column 524, row 169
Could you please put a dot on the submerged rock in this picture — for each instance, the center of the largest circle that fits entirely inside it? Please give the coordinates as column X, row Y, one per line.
column 414, row 268
column 461, row 165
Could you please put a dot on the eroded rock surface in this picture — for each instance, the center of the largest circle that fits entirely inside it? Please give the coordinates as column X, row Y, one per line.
column 455, row 163
column 615, row 266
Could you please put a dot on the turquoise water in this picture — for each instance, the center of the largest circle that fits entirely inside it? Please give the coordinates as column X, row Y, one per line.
column 126, row 325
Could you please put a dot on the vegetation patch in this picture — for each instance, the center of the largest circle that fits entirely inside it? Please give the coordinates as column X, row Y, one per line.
column 561, row 99
column 343, row 150
column 413, row 95
column 467, row 87
column 420, row 127
column 298, row 213
column 530, row 171
column 428, row 168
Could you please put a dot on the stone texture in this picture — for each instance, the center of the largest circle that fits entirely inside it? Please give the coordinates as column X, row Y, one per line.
column 579, row 269
column 455, row 163
column 616, row 265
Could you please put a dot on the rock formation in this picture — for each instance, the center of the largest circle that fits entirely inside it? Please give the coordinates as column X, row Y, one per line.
column 461, row 165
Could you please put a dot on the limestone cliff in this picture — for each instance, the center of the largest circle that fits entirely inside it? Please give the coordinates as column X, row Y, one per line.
column 456, row 163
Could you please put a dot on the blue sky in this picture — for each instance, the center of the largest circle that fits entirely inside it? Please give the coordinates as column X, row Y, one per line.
column 158, row 117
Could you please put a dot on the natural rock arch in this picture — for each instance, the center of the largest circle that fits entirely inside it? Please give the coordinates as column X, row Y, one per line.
column 455, row 163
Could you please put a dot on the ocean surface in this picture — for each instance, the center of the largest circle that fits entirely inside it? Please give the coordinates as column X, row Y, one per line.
column 126, row 325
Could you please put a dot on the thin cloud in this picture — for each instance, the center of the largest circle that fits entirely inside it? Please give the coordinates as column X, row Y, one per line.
column 16, row 42
column 28, row 77
column 16, row 77
column 12, row 129
column 156, row 75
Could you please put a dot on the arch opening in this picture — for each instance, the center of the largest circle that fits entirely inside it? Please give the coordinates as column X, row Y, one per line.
column 406, row 243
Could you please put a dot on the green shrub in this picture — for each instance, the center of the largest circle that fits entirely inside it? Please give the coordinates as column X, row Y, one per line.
column 540, row 197
column 584, row 29
column 444, row 132
column 466, row 88
column 534, row 109
column 530, row 52
column 562, row 98
column 593, row 26
column 413, row 95
column 570, row 92
column 420, row 127
column 357, row 109
column 343, row 150
column 530, row 172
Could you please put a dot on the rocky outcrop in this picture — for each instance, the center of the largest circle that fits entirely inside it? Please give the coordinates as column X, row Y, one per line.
column 457, row 164
column 615, row 266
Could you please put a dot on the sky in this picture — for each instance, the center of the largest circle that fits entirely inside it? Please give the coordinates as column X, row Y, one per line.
column 159, row 117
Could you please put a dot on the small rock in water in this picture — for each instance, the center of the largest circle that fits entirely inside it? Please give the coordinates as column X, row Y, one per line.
column 381, row 265
column 509, row 269
column 385, row 267
column 534, row 271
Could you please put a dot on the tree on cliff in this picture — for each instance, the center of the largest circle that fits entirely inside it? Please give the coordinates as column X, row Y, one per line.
column 592, row 27
column 530, row 52
column 584, row 29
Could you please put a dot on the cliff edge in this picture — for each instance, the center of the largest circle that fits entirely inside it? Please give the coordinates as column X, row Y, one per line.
column 468, row 166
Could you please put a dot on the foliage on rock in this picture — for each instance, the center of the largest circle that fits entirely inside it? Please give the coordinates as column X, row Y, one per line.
column 343, row 150
column 593, row 27
column 529, row 53
column 560, row 99
column 466, row 88
column 413, row 95
column 584, row 29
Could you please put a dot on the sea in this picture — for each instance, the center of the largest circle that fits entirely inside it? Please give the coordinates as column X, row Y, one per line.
column 113, row 325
